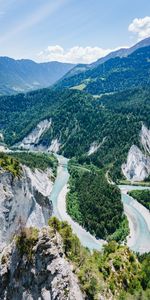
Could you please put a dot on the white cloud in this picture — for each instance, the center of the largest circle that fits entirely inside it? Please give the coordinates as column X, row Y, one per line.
column 140, row 27
column 73, row 55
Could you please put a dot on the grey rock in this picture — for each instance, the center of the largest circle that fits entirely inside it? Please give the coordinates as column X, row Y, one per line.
column 31, row 141
column 48, row 276
column 137, row 167
column 145, row 138
column 24, row 201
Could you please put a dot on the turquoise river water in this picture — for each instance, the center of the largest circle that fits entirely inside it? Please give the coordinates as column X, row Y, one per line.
column 139, row 239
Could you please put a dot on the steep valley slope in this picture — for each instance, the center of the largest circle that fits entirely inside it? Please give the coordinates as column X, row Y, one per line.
column 24, row 197
column 115, row 74
column 25, row 75
column 77, row 122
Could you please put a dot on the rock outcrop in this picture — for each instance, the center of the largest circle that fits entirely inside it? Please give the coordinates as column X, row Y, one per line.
column 55, row 146
column 31, row 141
column 145, row 138
column 137, row 167
column 95, row 146
column 47, row 276
column 23, row 201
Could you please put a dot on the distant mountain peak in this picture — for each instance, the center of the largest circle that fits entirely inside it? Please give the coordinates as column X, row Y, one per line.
column 22, row 75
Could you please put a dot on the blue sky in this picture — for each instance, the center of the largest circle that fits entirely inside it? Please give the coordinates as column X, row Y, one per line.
column 70, row 30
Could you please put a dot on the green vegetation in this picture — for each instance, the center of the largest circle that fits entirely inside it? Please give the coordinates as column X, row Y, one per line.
column 34, row 160
column 115, row 273
column 21, row 113
column 78, row 120
column 26, row 240
column 143, row 183
column 95, row 204
column 142, row 196
column 116, row 74
column 10, row 164
column 24, row 75
column 122, row 232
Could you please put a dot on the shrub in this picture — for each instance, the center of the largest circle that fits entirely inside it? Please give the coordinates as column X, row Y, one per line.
column 26, row 241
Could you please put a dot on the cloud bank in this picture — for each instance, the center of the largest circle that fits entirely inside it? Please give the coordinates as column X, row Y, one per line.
column 75, row 54
column 140, row 27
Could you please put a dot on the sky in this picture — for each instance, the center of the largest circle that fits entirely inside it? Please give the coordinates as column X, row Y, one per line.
column 76, row 31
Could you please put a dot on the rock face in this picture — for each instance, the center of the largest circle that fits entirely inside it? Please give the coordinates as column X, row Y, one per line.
column 95, row 146
column 31, row 142
column 137, row 167
column 23, row 201
column 47, row 276
column 145, row 138
column 55, row 146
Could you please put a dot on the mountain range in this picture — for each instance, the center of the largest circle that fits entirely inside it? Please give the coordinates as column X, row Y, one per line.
column 109, row 123
column 115, row 74
column 98, row 117
column 122, row 52
column 25, row 75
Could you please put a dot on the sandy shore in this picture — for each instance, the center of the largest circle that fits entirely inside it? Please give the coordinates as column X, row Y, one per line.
column 131, row 239
column 85, row 237
column 141, row 209
column 131, row 211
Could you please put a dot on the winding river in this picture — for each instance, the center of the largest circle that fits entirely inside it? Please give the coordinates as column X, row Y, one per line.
column 58, row 196
column 139, row 220
column 138, row 216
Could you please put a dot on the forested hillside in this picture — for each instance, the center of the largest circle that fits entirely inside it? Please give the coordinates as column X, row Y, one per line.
column 123, row 52
column 25, row 75
column 116, row 74
column 95, row 204
column 78, row 120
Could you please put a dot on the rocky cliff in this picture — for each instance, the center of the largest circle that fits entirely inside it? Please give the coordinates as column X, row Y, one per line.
column 137, row 167
column 47, row 275
column 24, row 201
column 31, row 141
column 145, row 138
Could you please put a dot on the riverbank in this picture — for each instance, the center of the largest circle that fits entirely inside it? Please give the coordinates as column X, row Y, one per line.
column 85, row 237
column 138, row 217
column 139, row 222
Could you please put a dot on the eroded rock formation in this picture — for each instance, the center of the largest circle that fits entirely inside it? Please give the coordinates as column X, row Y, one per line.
column 24, row 201
column 45, row 276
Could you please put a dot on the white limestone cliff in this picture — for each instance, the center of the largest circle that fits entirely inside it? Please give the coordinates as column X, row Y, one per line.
column 24, row 201
column 95, row 146
column 30, row 142
column 137, row 167
column 55, row 146
column 145, row 138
